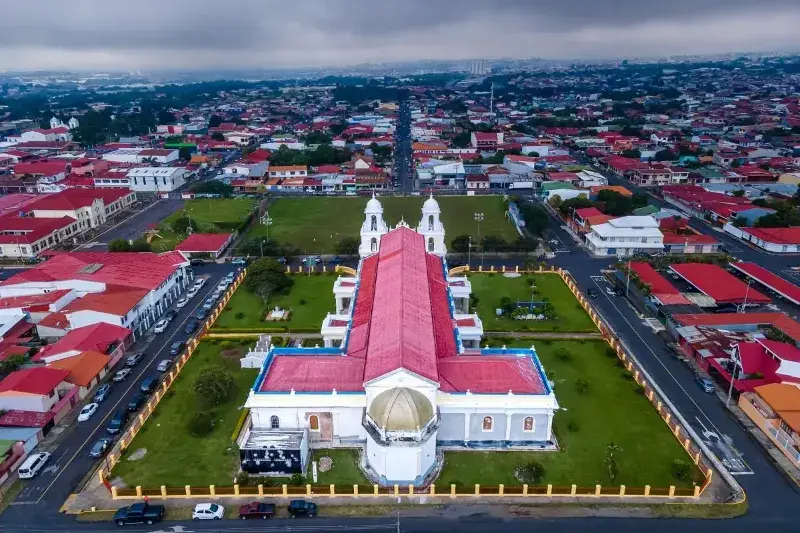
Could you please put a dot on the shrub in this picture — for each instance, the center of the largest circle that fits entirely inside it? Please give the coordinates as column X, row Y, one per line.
column 530, row 473
column 297, row 479
column 564, row 355
column 239, row 315
column 681, row 470
column 573, row 426
column 225, row 344
column 302, row 301
column 611, row 352
column 626, row 374
column 213, row 385
column 201, row 424
column 243, row 479
column 582, row 386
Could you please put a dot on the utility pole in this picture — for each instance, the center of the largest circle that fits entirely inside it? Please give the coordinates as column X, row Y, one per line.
column 479, row 218
column 469, row 251
column 746, row 293
column 730, row 388
column 628, row 282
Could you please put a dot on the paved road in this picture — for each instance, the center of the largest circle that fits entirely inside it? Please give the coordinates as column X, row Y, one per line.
column 132, row 227
column 404, row 174
column 70, row 461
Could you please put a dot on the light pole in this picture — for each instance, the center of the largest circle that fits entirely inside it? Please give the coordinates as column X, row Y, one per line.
column 628, row 282
column 733, row 377
column 746, row 293
column 478, row 219
column 469, row 251
column 267, row 221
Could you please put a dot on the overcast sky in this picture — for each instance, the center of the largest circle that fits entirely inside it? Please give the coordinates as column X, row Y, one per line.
column 188, row 34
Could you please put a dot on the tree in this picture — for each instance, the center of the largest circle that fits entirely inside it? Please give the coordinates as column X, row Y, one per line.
column 119, row 245
column 185, row 117
column 166, row 117
column 531, row 473
column 582, row 386
column 460, row 244
column 266, row 277
column 555, row 202
column 493, row 243
column 12, row 363
column 213, row 385
column 462, row 139
column 214, row 121
column 611, row 460
column 201, row 424
column 181, row 224
column 217, row 136
column 739, row 222
column 535, row 217
column 615, row 203
column 141, row 245
column 184, row 153
column 258, row 247
column 569, row 206
column 213, row 187
column 665, row 155
column 633, row 154
column 348, row 246
column 738, row 193
column 317, row 137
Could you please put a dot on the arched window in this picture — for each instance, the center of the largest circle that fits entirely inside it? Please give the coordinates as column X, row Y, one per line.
column 274, row 422
column 527, row 424
column 374, row 225
column 373, row 245
column 430, row 222
column 313, row 423
column 488, row 423
column 430, row 244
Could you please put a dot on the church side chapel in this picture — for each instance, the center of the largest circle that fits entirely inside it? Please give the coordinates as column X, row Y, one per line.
column 402, row 376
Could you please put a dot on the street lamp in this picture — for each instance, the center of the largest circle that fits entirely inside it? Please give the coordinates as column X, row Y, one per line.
column 478, row 219
column 267, row 221
column 746, row 293
column 469, row 251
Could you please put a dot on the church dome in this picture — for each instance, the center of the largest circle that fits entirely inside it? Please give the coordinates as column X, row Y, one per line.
column 401, row 409
column 431, row 206
column 373, row 206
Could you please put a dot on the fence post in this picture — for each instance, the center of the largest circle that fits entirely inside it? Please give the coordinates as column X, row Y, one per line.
column 113, row 492
column 647, row 490
column 500, row 489
column 308, row 490
column 260, row 490
column 477, row 489
column 549, row 489
column 672, row 491
column 163, row 491
column 396, row 489
column 410, row 489
column 333, row 489
column 187, row 490
column 101, row 475
column 452, row 489
column 697, row 491
column 355, row 490
column 697, row 458
column 525, row 489
column 284, row 490
column 236, row 489
column 212, row 490
column 597, row 489
column 666, row 418
column 622, row 490
column 375, row 490
column 138, row 491
column 574, row 490
column 433, row 489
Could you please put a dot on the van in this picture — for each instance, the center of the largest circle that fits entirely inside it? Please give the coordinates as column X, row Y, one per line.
column 32, row 465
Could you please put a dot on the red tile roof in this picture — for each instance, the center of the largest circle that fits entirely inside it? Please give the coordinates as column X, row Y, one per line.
column 115, row 300
column 204, row 242
column 37, row 380
column 658, row 283
column 31, row 419
column 82, row 368
column 790, row 236
column 71, row 199
column 717, row 283
column 33, row 302
column 98, row 337
column 767, row 278
column 487, row 374
column 28, row 230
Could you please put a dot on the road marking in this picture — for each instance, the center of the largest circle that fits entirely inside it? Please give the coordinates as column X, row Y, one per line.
column 675, row 379
column 724, row 450
column 134, row 382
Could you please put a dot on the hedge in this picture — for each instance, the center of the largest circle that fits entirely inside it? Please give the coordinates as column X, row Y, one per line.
column 239, row 424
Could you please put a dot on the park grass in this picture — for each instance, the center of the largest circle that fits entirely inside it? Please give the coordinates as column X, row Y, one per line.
column 490, row 288
column 345, row 471
column 315, row 225
column 208, row 215
column 613, row 410
column 174, row 457
column 315, row 290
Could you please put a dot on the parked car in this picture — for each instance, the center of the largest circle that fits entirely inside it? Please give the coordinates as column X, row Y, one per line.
column 170, row 315
column 199, row 283
column 257, row 510
column 176, row 347
column 208, row 511
column 230, row 277
column 161, row 326
column 336, row 260
column 101, row 393
column 197, row 262
column 149, row 384
column 133, row 359
column 239, row 261
column 592, row 293
column 208, row 304
column 88, row 410
column 100, row 447
column 117, row 423
column 201, row 314
column 32, row 465
column 192, row 292
column 704, row 383
column 302, row 508
column 164, row 365
column 181, row 303
column 122, row 374
column 136, row 402
column 191, row 326
column 139, row 513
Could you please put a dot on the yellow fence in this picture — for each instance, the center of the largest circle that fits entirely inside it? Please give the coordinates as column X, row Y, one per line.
column 128, row 435
column 373, row 491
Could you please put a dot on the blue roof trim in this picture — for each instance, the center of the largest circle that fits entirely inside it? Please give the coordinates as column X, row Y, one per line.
column 452, row 305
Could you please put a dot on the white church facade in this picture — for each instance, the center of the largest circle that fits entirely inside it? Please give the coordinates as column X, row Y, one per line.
column 402, row 376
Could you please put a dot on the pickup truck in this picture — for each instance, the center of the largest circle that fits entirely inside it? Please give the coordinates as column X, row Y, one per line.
column 139, row 513
column 257, row 510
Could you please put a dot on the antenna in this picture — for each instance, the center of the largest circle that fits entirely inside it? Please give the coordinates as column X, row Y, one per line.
column 491, row 101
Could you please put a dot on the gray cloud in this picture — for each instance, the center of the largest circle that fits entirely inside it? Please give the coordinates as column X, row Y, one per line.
column 245, row 33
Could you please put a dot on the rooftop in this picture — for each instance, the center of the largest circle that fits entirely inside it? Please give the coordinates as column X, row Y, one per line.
column 717, row 283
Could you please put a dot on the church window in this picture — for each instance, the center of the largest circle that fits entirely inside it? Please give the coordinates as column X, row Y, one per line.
column 274, row 422
column 373, row 246
column 313, row 423
column 527, row 424
column 488, row 423
column 430, row 222
column 430, row 244
column 374, row 225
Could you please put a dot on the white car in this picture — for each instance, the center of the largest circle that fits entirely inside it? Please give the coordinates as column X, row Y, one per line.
column 182, row 303
column 192, row 291
column 161, row 325
column 87, row 412
column 32, row 465
column 199, row 282
column 122, row 374
column 208, row 511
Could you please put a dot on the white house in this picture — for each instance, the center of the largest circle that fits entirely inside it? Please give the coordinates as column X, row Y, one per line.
column 402, row 381
column 156, row 179
column 625, row 236
column 142, row 155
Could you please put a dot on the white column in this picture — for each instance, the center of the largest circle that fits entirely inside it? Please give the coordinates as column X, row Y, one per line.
column 338, row 305
column 466, row 427
column 549, row 426
column 508, row 426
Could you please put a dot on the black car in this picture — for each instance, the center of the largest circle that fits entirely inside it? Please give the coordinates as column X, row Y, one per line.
column 176, row 347
column 200, row 314
column 170, row 315
column 148, row 384
column 592, row 293
column 118, row 422
column 197, row 262
column 302, row 508
column 100, row 447
column 139, row 513
column 133, row 359
column 191, row 327
column 136, row 402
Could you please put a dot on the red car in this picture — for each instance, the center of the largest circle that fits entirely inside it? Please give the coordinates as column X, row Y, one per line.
column 257, row 510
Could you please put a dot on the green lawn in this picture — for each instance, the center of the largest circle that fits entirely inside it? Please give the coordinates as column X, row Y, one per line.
column 208, row 215
column 490, row 288
column 613, row 410
column 316, row 291
column 174, row 457
column 345, row 471
column 314, row 225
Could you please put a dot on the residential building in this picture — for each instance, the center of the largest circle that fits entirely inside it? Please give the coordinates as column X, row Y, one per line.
column 205, row 245
column 292, row 171
column 625, row 236
column 156, row 179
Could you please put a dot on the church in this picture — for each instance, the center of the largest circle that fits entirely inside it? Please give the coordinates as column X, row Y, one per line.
column 402, row 376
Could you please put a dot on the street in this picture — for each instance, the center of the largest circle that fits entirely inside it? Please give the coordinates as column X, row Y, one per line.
column 133, row 226
column 404, row 172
